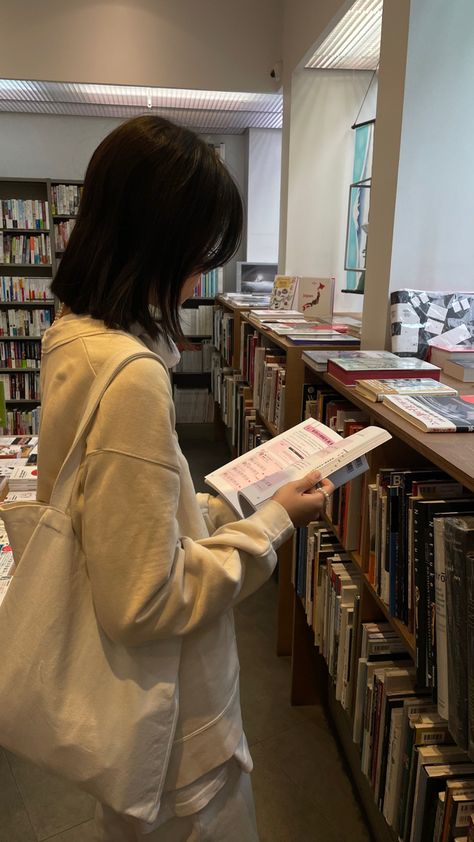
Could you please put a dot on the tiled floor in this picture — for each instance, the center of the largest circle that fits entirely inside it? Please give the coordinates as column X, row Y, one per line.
column 301, row 789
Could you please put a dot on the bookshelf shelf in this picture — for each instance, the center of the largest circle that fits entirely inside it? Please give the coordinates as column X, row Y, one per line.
column 26, row 265
column 37, row 302
column 21, row 400
column 21, row 338
column 65, row 216
column 25, row 230
column 18, row 370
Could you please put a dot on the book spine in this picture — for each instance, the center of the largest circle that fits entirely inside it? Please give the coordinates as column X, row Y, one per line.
column 441, row 620
column 456, row 612
column 470, row 649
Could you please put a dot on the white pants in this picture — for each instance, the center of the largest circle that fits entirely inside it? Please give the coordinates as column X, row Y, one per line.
column 229, row 817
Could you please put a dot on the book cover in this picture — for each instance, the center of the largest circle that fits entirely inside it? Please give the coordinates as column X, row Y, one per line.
column 460, row 369
column 434, row 414
column 424, row 512
column 348, row 371
column 315, row 296
column 433, row 779
column 376, row 389
column 319, row 359
column 459, row 541
column 283, row 292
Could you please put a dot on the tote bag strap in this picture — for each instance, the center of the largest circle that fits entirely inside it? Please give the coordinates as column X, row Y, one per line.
column 64, row 484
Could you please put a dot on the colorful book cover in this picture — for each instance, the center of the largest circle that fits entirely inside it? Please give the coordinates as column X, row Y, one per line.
column 283, row 292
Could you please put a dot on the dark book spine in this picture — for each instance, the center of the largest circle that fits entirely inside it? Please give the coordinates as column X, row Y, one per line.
column 456, row 617
column 393, row 492
column 419, row 538
column 470, row 650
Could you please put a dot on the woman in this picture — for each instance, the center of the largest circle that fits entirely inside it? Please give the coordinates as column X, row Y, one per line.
column 165, row 565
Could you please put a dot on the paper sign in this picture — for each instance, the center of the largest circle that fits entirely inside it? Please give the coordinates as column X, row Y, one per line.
column 424, row 298
column 432, row 326
column 465, row 303
column 456, row 306
column 451, row 337
column 437, row 312
column 404, row 313
column 416, row 301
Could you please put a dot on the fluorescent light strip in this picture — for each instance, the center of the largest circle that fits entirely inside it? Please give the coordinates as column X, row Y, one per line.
column 354, row 43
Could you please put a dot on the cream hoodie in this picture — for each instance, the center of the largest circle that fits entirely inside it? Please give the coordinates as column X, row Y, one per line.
column 164, row 563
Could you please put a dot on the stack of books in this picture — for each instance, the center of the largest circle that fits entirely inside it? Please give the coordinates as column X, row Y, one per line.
column 349, row 370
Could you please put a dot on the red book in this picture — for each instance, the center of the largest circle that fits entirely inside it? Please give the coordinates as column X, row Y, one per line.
column 348, row 371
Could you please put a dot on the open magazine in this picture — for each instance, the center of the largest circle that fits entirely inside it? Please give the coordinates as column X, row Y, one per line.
column 250, row 480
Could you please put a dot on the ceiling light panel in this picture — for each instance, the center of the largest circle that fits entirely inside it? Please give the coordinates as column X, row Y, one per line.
column 354, row 43
column 217, row 111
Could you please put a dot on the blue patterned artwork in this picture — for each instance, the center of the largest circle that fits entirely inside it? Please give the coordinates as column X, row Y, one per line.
column 359, row 202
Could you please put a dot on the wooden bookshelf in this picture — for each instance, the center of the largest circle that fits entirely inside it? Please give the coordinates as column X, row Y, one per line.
column 295, row 373
column 34, row 189
column 409, row 448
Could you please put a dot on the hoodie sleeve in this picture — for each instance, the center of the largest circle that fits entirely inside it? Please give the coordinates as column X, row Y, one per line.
column 148, row 581
column 215, row 510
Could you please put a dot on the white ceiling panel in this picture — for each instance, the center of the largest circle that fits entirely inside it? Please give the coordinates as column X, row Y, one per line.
column 354, row 43
column 204, row 111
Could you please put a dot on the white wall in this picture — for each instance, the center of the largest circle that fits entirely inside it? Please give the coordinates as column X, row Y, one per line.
column 324, row 105
column 422, row 203
column 46, row 146
column 224, row 45
column 433, row 237
column 263, row 194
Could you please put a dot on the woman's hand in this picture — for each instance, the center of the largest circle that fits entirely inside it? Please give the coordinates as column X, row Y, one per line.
column 302, row 500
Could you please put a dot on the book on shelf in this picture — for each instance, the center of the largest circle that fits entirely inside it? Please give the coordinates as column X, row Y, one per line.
column 440, row 354
column 423, row 512
column 460, row 368
column 251, row 479
column 459, row 572
column 315, row 296
column 62, row 232
column 319, row 359
column 24, row 213
column 283, row 292
column 321, row 338
column 301, row 327
column 20, row 422
column 433, row 414
column 268, row 315
column 349, row 370
column 24, row 290
column 433, row 776
column 19, row 249
column 375, row 390
column 65, row 199
column 244, row 299
column 197, row 321
column 210, row 283
column 25, row 322
column 193, row 406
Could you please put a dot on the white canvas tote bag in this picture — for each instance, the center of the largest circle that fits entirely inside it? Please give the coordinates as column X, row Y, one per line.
column 71, row 700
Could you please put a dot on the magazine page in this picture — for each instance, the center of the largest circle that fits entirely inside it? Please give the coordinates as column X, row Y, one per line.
column 256, row 475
